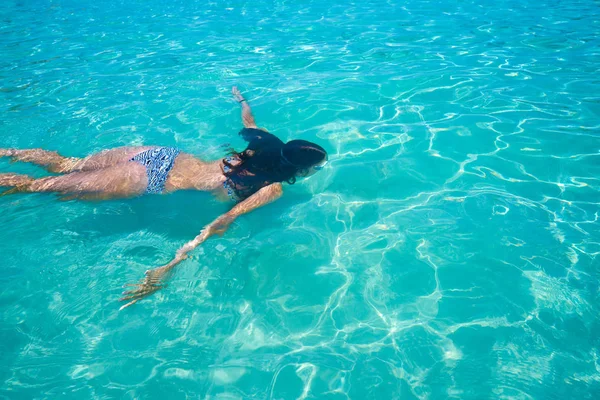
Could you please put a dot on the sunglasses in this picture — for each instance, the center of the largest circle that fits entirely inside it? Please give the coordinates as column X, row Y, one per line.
column 320, row 167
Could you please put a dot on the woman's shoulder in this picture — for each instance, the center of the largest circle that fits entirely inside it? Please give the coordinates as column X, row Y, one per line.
column 258, row 135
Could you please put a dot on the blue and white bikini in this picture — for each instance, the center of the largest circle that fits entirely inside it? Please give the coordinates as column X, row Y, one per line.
column 158, row 163
column 227, row 185
column 239, row 186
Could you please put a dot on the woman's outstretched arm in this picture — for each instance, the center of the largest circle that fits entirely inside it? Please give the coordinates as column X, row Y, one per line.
column 247, row 117
column 155, row 278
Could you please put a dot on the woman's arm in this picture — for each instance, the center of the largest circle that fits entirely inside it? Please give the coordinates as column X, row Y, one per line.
column 247, row 117
column 155, row 278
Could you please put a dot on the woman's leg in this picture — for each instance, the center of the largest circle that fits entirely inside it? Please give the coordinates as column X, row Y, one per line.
column 109, row 158
column 54, row 162
column 124, row 180
column 50, row 160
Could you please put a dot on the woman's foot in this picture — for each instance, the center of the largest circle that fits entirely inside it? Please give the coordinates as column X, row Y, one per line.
column 15, row 180
column 8, row 152
column 19, row 183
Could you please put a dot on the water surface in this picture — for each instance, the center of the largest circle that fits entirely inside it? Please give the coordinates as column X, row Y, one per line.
column 448, row 251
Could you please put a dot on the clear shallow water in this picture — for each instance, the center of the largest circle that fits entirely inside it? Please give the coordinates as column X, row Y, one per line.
column 449, row 251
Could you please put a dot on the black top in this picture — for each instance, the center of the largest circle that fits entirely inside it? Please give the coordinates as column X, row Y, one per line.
column 257, row 138
column 256, row 167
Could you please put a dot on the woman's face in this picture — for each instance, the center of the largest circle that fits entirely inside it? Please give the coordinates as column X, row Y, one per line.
column 312, row 170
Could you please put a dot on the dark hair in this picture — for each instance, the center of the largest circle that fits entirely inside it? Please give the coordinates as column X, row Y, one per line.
column 302, row 154
column 269, row 160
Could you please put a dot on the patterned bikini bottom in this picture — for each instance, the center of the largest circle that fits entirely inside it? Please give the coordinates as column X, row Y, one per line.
column 158, row 163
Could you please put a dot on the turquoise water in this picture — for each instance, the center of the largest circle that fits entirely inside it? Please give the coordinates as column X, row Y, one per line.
column 450, row 250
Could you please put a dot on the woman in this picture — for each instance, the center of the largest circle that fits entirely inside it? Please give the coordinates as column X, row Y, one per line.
column 251, row 178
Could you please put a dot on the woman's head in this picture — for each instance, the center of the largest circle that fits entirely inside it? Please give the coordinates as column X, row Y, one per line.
column 306, row 157
column 268, row 160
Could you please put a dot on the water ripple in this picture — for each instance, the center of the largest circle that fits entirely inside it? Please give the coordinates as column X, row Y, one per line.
column 449, row 251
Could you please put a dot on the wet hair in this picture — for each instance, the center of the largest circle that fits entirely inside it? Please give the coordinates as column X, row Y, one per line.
column 302, row 154
column 267, row 160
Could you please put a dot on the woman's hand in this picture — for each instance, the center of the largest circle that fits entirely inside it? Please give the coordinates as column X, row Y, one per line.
column 153, row 282
column 247, row 117
column 237, row 95
column 156, row 278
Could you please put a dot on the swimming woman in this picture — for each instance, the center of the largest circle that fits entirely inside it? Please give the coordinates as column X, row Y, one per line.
column 251, row 179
